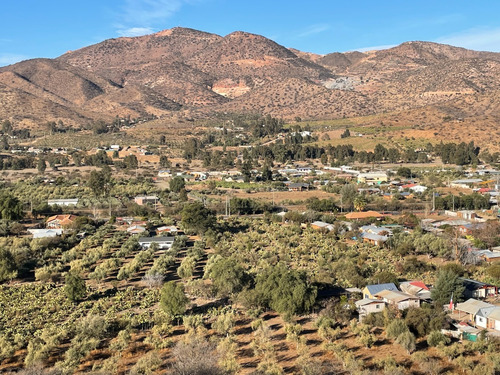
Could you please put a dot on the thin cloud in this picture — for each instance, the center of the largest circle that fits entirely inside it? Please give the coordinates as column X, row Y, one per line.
column 135, row 31
column 148, row 12
column 314, row 29
column 480, row 39
column 11, row 58
column 374, row 48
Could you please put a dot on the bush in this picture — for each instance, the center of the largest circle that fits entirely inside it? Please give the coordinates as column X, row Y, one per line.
column 396, row 328
column 436, row 338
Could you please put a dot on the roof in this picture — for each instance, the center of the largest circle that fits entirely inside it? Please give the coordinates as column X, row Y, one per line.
column 157, row 239
column 472, row 306
column 375, row 230
column 63, row 219
column 67, row 200
column 367, row 301
column 419, row 284
column 43, row 233
column 374, row 237
column 373, row 289
column 167, row 228
column 473, row 284
column 395, row 296
column 486, row 311
column 363, row 215
column 322, row 224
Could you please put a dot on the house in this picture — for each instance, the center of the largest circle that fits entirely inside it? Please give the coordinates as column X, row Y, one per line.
column 363, row 215
column 372, row 178
column 136, row 229
column 167, row 229
column 477, row 289
column 370, row 291
column 63, row 202
column 318, row 225
column 466, row 183
column 467, row 214
column 125, row 220
column 470, row 308
column 374, row 239
column 60, row 221
column 398, row 299
column 488, row 317
column 142, row 200
column 487, row 255
column 163, row 242
column 45, row 233
column 368, row 305
column 418, row 189
column 373, row 229
column 298, row 186
column 469, row 229
column 417, row 289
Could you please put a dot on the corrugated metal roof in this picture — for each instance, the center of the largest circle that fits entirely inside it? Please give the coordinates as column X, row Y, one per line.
column 376, row 288
column 472, row 306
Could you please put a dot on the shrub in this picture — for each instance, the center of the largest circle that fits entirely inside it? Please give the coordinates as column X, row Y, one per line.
column 436, row 338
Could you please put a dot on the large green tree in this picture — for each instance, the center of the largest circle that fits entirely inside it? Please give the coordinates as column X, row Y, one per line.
column 177, row 184
column 447, row 283
column 10, row 207
column 173, row 300
column 198, row 218
column 285, row 290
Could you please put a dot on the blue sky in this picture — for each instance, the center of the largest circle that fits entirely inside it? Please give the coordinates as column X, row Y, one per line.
column 40, row 28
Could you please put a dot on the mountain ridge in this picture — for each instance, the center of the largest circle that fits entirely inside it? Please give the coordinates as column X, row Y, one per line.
column 181, row 71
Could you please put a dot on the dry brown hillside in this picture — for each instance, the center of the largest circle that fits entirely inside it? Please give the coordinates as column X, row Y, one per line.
column 184, row 72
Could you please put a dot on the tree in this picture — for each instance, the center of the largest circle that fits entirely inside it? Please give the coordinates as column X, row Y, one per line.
column 10, row 207
column 404, row 172
column 285, row 290
column 41, row 166
column 6, row 127
column 447, row 284
column 164, row 162
column 177, row 184
column 75, row 287
column 173, row 300
column 197, row 217
column 7, row 265
column 130, row 162
column 227, row 275
column 99, row 182
column 407, row 341
column 359, row 203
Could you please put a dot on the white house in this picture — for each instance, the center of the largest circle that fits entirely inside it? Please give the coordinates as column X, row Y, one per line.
column 63, row 202
column 45, row 233
column 366, row 306
column 163, row 242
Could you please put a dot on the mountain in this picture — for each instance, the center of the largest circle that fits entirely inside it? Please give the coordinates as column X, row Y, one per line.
column 185, row 72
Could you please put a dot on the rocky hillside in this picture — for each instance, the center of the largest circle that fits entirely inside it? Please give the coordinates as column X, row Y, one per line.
column 184, row 72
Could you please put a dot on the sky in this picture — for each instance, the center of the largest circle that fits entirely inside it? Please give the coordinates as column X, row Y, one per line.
column 49, row 28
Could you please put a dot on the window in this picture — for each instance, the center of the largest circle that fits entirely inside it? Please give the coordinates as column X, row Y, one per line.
column 377, row 307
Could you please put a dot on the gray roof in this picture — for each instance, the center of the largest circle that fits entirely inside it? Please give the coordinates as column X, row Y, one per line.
column 374, row 237
column 472, row 306
column 374, row 289
column 367, row 301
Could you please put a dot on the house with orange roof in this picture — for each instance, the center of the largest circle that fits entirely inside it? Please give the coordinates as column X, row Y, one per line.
column 363, row 215
column 60, row 221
